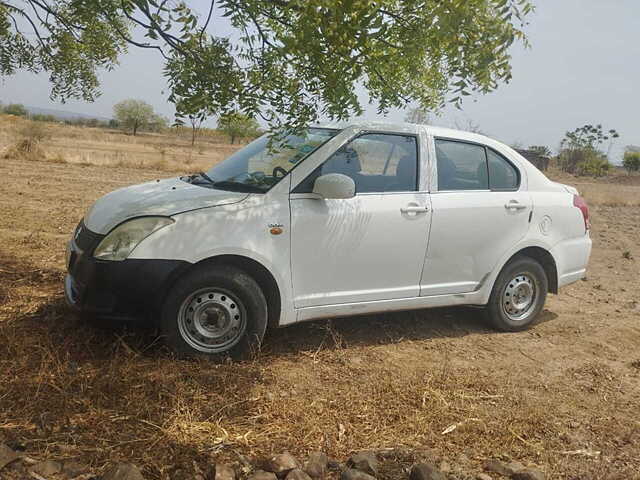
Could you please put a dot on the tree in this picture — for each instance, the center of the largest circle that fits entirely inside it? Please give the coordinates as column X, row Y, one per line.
column 134, row 114
column 541, row 150
column 581, row 150
column 238, row 125
column 631, row 161
column 16, row 109
column 188, row 74
column 289, row 61
column 417, row 115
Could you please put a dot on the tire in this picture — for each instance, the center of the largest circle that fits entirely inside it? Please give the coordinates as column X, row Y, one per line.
column 524, row 280
column 217, row 312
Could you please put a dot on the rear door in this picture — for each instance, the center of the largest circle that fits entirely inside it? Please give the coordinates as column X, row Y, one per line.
column 480, row 210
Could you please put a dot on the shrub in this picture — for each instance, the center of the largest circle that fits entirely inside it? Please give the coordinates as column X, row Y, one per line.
column 595, row 165
column 40, row 117
column 16, row 109
column 631, row 161
column 28, row 147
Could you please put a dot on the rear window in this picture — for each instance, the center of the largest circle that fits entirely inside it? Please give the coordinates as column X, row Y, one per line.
column 471, row 166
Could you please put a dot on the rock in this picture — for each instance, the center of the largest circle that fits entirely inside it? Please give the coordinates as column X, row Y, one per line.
column 262, row 475
column 353, row 474
column 528, row 474
column 180, row 474
column 73, row 469
column 282, row 464
column 425, row 471
column 316, row 466
column 502, row 468
column 7, row 455
column 366, row 462
column 483, row 476
column 224, row 472
column 123, row 471
column 297, row 474
column 47, row 468
column 445, row 467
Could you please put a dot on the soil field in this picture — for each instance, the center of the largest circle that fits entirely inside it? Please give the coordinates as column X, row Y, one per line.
column 564, row 396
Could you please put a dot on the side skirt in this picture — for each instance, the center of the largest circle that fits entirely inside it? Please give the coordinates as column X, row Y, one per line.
column 396, row 305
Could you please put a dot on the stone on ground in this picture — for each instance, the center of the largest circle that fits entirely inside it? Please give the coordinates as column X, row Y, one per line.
column 316, row 466
column 426, row 471
column 262, row 475
column 47, row 468
column 297, row 474
column 7, row 455
column 282, row 464
column 123, row 471
column 502, row 468
column 224, row 472
column 366, row 462
column 528, row 474
column 353, row 474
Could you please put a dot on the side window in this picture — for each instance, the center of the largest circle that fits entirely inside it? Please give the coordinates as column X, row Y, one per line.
column 461, row 166
column 375, row 162
column 502, row 175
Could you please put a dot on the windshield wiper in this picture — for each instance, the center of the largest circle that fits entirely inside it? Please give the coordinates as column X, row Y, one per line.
column 206, row 177
column 238, row 186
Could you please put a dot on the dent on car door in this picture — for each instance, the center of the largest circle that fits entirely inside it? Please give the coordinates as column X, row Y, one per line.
column 365, row 248
column 479, row 213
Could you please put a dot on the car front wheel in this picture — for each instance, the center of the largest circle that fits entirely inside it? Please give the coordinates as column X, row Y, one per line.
column 215, row 311
column 518, row 295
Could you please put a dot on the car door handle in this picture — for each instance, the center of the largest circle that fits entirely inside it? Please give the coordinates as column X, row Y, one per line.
column 514, row 204
column 414, row 209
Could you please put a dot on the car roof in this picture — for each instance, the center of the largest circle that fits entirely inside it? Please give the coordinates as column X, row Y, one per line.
column 410, row 128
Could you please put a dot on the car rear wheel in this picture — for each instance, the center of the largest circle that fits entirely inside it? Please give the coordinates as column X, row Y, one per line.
column 518, row 295
column 215, row 311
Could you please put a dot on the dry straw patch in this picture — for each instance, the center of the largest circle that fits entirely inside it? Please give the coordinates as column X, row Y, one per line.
column 59, row 143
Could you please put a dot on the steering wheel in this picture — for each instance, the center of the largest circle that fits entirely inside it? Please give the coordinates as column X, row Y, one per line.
column 280, row 170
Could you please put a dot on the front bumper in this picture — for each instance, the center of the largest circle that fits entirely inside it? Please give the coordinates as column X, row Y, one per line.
column 129, row 289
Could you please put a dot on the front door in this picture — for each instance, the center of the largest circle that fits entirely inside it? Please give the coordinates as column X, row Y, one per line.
column 369, row 247
column 479, row 213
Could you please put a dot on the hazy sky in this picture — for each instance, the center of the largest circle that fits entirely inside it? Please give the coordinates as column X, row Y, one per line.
column 583, row 67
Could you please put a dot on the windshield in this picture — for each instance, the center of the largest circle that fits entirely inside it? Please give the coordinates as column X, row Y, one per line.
column 257, row 168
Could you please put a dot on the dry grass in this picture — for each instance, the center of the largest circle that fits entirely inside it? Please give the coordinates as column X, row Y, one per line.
column 610, row 194
column 95, row 393
column 95, row 146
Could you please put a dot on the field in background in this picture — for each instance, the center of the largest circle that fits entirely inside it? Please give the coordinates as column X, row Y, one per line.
column 171, row 151
column 438, row 383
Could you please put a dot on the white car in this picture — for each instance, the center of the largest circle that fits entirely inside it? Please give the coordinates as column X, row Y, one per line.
column 330, row 223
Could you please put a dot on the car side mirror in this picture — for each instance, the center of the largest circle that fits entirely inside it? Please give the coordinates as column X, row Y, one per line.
column 334, row 185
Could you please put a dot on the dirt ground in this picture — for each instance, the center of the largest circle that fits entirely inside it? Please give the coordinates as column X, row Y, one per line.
column 564, row 395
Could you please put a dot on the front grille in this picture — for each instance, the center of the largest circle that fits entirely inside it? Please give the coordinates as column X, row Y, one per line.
column 85, row 239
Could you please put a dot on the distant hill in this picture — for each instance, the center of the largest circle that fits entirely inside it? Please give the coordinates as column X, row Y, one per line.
column 63, row 114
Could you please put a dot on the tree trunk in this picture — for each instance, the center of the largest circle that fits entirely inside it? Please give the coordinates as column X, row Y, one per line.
column 193, row 136
column 135, row 128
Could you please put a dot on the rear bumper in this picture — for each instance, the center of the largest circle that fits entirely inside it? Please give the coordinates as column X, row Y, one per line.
column 131, row 289
column 572, row 258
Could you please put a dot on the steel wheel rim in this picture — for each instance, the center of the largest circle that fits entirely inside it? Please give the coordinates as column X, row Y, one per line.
column 212, row 320
column 519, row 297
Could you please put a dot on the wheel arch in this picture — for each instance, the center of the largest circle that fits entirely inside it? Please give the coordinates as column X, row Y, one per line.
column 544, row 258
column 255, row 269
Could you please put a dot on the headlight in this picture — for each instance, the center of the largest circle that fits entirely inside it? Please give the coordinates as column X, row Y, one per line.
column 121, row 241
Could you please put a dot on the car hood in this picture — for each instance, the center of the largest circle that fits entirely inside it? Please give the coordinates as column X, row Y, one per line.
column 160, row 197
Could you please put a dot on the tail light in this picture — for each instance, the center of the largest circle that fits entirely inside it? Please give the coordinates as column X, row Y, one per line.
column 579, row 202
